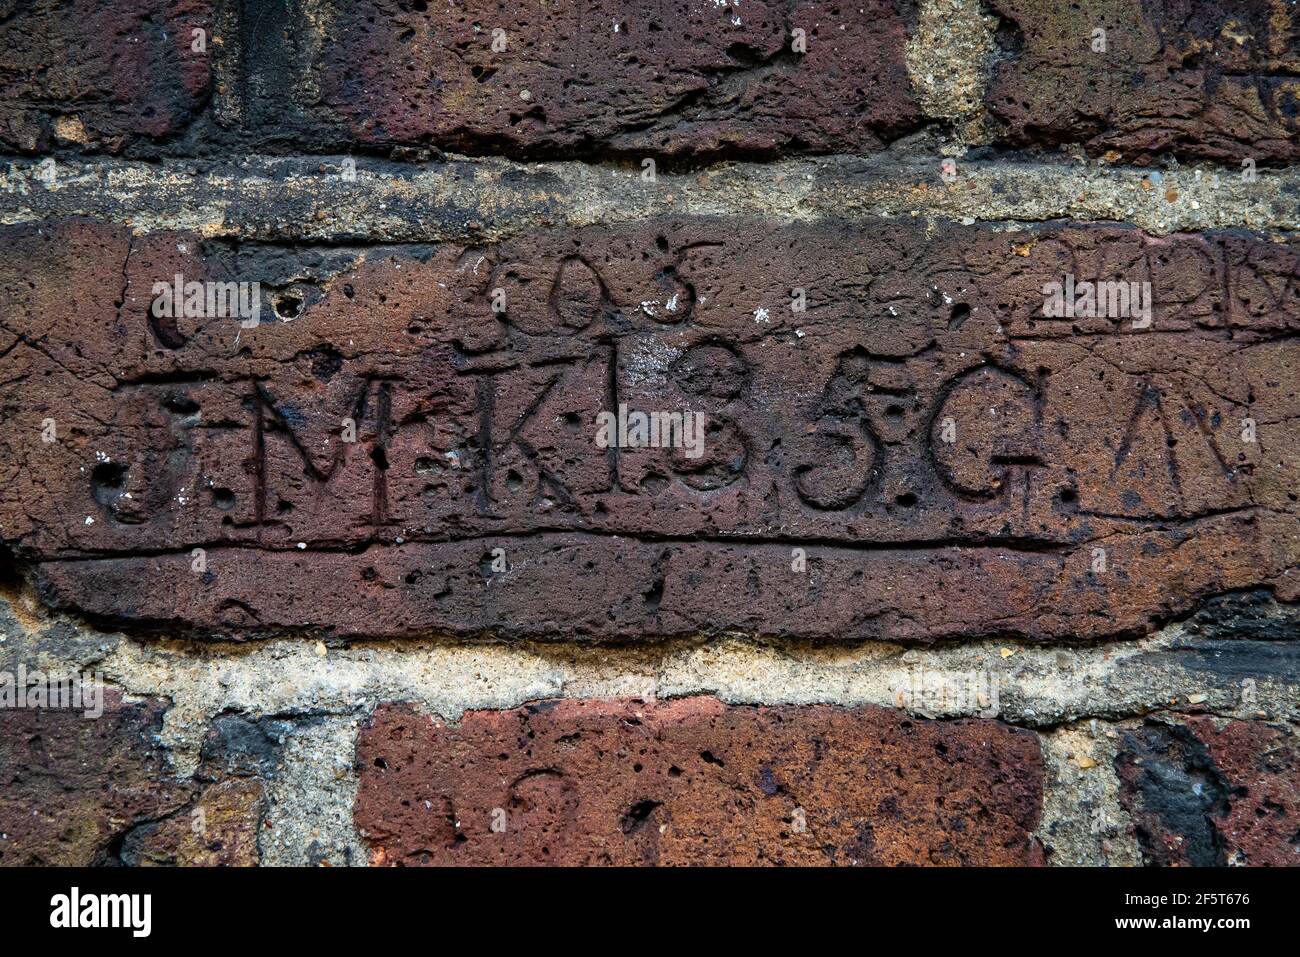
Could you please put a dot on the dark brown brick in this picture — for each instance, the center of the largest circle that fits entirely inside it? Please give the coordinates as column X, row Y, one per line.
column 99, row 74
column 660, row 78
column 696, row 782
column 220, row 828
column 1206, row 80
column 72, row 788
column 78, row 790
column 1206, row 792
column 477, row 431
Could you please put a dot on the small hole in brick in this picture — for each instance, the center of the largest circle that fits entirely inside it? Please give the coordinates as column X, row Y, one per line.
column 288, row 307
column 181, row 404
column 9, row 577
column 107, row 480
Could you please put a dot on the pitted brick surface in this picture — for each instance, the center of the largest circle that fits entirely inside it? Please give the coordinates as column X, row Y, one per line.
column 695, row 782
column 662, row 78
column 80, row 790
column 1086, row 530
column 72, row 786
column 1214, row 81
column 1205, row 792
column 674, row 80
column 98, row 75
column 476, row 431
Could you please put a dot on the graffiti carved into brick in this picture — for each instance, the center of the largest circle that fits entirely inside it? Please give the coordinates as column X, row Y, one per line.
column 878, row 433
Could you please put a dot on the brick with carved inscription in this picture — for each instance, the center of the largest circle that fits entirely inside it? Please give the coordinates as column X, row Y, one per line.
column 918, row 454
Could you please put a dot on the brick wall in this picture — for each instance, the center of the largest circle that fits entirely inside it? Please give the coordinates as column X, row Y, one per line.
column 324, row 332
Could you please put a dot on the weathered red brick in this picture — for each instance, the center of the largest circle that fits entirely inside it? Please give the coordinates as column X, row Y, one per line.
column 99, row 74
column 661, row 78
column 1206, row 792
column 1206, row 80
column 477, row 431
column 696, row 782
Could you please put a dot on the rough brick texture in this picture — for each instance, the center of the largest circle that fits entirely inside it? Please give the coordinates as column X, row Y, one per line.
column 1205, row 80
column 76, row 790
column 696, row 782
column 667, row 77
column 1208, row 793
column 95, row 74
column 477, row 431
column 670, row 79
column 980, row 581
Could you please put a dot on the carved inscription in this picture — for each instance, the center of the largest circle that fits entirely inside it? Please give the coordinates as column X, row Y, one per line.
column 949, row 458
